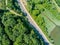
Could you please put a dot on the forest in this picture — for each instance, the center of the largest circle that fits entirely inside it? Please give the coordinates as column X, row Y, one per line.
column 14, row 29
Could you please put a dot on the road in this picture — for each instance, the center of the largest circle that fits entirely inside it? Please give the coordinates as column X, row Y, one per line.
column 30, row 19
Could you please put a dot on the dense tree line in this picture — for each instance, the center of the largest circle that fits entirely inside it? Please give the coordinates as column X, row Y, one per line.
column 14, row 30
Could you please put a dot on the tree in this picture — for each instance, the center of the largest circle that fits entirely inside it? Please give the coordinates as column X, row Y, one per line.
column 34, row 1
column 5, row 40
column 35, row 12
column 3, row 37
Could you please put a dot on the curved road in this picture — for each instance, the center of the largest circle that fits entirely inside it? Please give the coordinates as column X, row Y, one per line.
column 30, row 19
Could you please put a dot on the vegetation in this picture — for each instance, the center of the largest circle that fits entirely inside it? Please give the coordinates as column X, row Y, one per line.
column 39, row 8
column 58, row 2
column 13, row 4
column 43, row 5
column 2, row 4
column 15, row 30
column 36, row 10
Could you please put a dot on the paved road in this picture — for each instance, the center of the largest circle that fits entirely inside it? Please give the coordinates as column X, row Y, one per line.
column 30, row 19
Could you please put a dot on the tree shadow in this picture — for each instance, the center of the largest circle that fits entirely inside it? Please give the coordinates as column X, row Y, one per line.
column 16, row 6
column 40, row 36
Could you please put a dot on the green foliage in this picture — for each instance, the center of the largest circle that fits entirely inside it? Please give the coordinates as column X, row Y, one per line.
column 5, row 40
column 2, row 4
column 58, row 2
column 13, row 4
column 15, row 30
column 28, row 39
column 35, row 12
column 37, row 9
column 3, row 37
column 34, row 1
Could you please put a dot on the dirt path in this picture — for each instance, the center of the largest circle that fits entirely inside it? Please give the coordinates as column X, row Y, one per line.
column 13, row 12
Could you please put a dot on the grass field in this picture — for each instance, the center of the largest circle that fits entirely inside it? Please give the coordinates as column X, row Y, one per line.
column 56, row 35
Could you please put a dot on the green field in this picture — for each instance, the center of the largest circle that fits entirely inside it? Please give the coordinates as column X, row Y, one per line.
column 55, row 35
